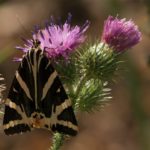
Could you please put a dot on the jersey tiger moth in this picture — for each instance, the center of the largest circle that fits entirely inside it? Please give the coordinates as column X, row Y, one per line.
column 37, row 98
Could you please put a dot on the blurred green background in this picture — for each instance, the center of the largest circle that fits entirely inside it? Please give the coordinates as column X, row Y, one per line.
column 124, row 124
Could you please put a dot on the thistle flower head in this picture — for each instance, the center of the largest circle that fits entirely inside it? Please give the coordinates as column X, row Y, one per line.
column 120, row 34
column 58, row 40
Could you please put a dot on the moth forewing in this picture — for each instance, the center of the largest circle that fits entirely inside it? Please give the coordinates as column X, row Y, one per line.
column 37, row 98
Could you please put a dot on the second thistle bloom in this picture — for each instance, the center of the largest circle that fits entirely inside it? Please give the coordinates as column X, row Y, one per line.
column 120, row 34
column 58, row 39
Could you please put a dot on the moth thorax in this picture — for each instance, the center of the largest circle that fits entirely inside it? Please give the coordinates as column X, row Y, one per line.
column 37, row 49
column 37, row 119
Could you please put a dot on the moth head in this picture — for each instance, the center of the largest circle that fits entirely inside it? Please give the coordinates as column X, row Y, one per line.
column 36, row 43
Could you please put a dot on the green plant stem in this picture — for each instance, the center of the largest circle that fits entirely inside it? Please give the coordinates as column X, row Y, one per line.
column 57, row 141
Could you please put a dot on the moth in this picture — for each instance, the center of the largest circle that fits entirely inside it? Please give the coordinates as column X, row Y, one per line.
column 37, row 98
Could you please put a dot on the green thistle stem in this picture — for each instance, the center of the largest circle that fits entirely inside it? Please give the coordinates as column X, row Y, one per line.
column 57, row 141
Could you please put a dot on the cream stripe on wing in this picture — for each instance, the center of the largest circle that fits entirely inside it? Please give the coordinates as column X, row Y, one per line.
column 67, row 124
column 11, row 104
column 47, row 65
column 48, row 84
column 18, row 109
column 39, row 61
column 34, row 70
column 58, row 110
column 23, row 85
column 13, row 123
column 64, row 105
column 14, row 106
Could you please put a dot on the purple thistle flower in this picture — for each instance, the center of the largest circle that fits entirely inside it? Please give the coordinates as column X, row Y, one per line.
column 28, row 44
column 57, row 40
column 120, row 34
